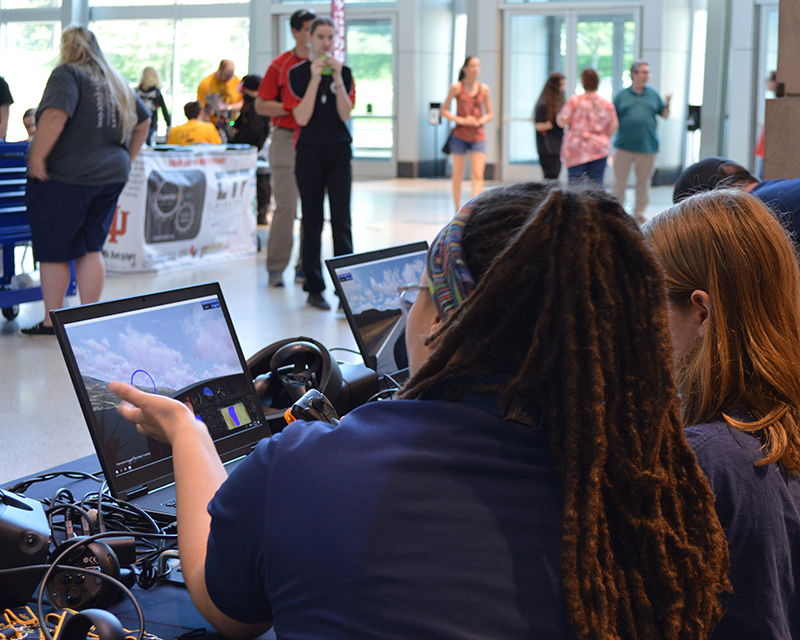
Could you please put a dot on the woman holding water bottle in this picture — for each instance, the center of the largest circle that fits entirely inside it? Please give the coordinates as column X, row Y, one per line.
column 321, row 97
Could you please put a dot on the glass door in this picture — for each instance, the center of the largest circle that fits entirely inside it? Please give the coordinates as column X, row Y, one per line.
column 539, row 42
column 370, row 45
column 536, row 46
column 606, row 44
column 38, row 43
column 767, row 64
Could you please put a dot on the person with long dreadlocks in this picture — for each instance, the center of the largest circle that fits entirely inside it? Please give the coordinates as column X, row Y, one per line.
column 532, row 481
column 733, row 291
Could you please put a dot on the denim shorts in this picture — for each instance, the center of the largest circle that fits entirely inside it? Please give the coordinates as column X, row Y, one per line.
column 459, row 147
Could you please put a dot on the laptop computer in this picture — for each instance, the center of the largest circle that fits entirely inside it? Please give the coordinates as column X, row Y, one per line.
column 178, row 343
column 366, row 284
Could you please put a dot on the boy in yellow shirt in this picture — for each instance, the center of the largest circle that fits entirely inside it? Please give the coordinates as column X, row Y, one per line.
column 195, row 131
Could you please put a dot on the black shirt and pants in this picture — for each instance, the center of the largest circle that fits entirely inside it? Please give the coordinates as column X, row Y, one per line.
column 154, row 101
column 253, row 129
column 548, row 144
column 323, row 162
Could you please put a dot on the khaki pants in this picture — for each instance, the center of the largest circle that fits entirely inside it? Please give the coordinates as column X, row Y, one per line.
column 284, row 188
column 644, row 167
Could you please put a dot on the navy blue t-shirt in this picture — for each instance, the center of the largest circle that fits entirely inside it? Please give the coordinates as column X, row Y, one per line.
column 759, row 508
column 783, row 197
column 411, row 519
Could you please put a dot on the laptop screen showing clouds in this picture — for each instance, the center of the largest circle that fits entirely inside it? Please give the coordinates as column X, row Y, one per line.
column 184, row 350
column 367, row 284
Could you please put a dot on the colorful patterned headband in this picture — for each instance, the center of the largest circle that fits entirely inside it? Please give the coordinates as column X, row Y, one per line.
column 449, row 278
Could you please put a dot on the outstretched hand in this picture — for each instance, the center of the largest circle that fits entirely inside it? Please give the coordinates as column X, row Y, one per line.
column 156, row 416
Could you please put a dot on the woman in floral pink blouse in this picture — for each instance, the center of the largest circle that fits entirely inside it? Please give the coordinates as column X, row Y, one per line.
column 589, row 122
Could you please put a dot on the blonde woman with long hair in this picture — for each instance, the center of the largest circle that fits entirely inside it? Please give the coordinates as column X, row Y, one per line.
column 90, row 126
column 733, row 293
column 149, row 90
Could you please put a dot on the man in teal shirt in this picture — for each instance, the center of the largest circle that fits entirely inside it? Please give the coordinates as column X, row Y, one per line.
column 637, row 142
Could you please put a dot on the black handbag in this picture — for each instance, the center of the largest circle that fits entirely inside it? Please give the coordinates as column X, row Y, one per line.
column 446, row 147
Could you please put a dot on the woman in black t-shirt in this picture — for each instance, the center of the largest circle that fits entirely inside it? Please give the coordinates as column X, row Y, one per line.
column 321, row 97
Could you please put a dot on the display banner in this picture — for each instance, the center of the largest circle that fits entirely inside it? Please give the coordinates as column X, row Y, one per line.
column 339, row 31
column 184, row 206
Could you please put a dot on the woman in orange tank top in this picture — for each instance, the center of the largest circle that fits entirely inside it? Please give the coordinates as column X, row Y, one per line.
column 473, row 110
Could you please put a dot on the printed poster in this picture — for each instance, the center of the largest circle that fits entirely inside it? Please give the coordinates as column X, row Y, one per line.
column 184, row 206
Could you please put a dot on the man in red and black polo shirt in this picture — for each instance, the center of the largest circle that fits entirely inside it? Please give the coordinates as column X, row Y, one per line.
column 271, row 94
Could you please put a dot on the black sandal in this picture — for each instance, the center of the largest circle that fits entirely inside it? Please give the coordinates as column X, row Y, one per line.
column 39, row 330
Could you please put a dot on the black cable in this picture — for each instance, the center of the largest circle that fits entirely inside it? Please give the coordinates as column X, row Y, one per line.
column 121, row 512
column 380, row 395
column 40, row 600
column 83, row 543
column 49, row 568
column 124, row 518
column 68, row 507
column 139, row 511
column 393, row 381
column 168, row 546
column 57, row 495
column 87, row 497
column 148, row 576
column 30, row 567
column 151, row 564
column 358, row 353
column 23, row 486
column 97, row 517
column 100, row 524
column 131, row 514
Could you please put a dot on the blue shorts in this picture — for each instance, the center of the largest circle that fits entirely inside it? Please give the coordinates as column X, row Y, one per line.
column 68, row 220
column 459, row 147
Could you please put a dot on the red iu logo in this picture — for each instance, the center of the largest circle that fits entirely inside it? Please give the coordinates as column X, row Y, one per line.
column 118, row 228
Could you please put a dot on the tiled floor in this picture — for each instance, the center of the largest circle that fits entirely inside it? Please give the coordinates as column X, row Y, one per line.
column 41, row 424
